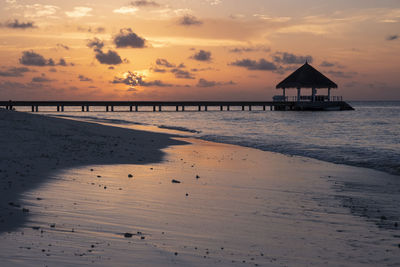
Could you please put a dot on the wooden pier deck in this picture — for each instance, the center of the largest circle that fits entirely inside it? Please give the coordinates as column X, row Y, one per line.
column 135, row 106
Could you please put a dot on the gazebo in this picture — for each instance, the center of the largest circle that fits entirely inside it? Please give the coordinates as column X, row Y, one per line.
column 307, row 77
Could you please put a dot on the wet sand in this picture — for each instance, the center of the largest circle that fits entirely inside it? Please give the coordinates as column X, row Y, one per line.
column 227, row 206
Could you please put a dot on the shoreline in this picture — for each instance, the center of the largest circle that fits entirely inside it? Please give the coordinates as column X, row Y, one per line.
column 230, row 163
column 53, row 144
column 326, row 157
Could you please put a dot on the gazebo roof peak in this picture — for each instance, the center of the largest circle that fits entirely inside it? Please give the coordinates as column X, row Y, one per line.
column 306, row 77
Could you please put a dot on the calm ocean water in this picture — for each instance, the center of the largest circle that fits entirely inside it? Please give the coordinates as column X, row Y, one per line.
column 367, row 137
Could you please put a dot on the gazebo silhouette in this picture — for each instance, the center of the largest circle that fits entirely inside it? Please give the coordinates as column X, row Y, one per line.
column 307, row 77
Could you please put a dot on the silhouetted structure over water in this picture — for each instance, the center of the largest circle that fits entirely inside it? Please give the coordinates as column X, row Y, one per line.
column 308, row 77
column 305, row 77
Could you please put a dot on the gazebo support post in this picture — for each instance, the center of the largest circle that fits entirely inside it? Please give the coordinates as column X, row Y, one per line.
column 329, row 94
column 314, row 91
column 298, row 94
column 284, row 94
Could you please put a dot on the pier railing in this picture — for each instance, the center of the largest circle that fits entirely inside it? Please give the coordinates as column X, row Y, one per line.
column 318, row 98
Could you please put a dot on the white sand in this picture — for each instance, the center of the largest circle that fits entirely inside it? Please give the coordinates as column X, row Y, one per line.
column 248, row 207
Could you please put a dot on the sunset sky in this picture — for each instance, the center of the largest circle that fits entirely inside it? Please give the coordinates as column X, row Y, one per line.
column 195, row 49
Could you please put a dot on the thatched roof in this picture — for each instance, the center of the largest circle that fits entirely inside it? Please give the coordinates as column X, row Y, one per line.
column 306, row 77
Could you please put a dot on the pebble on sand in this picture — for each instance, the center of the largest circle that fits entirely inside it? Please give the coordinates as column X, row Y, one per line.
column 128, row 235
column 197, row 177
column 175, row 181
column 130, row 175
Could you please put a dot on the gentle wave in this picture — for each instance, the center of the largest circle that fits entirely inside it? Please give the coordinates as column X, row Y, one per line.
column 367, row 137
column 178, row 128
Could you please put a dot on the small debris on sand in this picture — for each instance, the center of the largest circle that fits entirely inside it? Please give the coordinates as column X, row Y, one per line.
column 175, row 181
column 142, row 237
column 52, row 225
column 197, row 177
column 14, row 205
column 128, row 235
column 130, row 175
column 98, row 176
column 176, row 253
column 187, row 194
column 25, row 210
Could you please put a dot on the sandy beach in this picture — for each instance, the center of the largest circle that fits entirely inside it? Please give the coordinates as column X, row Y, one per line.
column 84, row 194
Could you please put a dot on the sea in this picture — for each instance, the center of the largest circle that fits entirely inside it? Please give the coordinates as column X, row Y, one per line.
column 367, row 137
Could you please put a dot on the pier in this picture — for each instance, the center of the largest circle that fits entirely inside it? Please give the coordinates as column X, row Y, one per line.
column 157, row 106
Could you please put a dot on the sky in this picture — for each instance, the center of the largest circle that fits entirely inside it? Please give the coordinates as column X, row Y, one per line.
column 195, row 49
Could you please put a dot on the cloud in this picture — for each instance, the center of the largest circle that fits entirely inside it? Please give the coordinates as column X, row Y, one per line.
column 288, row 58
column 158, row 70
column 95, row 43
column 126, row 10
column 157, row 83
column 62, row 62
column 92, row 30
column 30, row 58
column 83, row 78
column 392, row 37
column 38, row 10
column 165, row 63
column 127, row 38
column 182, row 74
column 14, row 72
column 178, row 71
column 327, row 64
column 134, row 79
column 202, row 56
column 202, row 69
column 261, row 64
column 79, row 12
column 214, row 2
column 41, row 79
column 342, row 74
column 272, row 19
column 63, row 46
column 145, row 3
column 189, row 20
column 204, row 83
column 19, row 25
column 250, row 49
column 109, row 58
